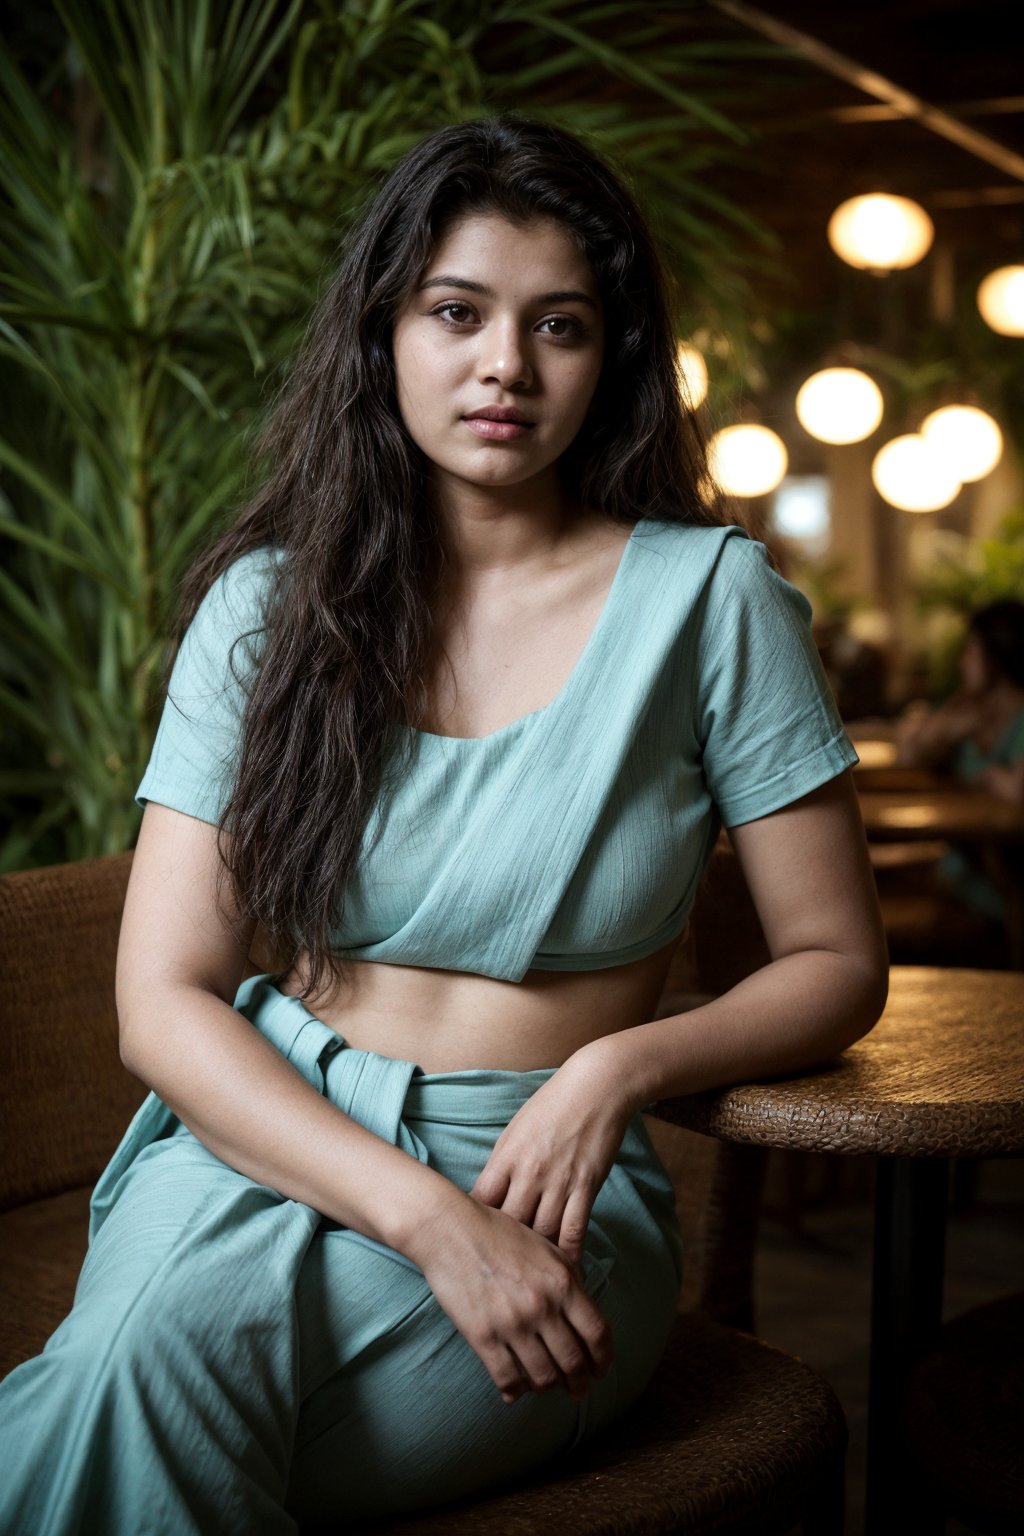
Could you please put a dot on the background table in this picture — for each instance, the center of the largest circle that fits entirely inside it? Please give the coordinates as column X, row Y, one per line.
column 914, row 805
column 940, row 1076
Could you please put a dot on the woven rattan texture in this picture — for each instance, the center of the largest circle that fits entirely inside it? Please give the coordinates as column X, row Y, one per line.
column 725, row 1438
column 66, row 1096
column 43, row 1245
column 730, row 1436
column 941, row 1074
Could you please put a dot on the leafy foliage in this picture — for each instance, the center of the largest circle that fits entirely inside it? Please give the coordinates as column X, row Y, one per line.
column 987, row 569
column 962, row 579
column 175, row 189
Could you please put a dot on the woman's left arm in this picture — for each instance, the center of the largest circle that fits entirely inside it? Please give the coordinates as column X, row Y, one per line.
column 808, row 871
column 810, row 877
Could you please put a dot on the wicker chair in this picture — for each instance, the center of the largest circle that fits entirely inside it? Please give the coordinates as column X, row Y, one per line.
column 732, row 1435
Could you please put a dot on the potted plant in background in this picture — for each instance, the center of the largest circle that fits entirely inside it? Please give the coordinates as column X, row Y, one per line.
column 175, row 192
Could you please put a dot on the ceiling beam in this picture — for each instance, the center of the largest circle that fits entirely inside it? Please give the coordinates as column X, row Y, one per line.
column 904, row 102
column 881, row 112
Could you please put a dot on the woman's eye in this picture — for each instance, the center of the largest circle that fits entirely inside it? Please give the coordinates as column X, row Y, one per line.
column 575, row 328
column 446, row 309
column 445, row 313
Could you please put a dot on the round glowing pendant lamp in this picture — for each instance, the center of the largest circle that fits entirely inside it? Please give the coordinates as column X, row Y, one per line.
column 747, row 459
column 839, row 405
column 966, row 438
column 907, row 475
column 880, row 232
column 694, row 372
column 1001, row 300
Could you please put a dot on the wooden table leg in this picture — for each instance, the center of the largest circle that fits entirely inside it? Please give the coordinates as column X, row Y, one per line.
column 906, row 1315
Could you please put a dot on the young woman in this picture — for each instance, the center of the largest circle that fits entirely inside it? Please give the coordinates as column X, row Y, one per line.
column 458, row 710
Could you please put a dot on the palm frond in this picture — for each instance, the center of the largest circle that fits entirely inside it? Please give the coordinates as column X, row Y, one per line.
column 172, row 202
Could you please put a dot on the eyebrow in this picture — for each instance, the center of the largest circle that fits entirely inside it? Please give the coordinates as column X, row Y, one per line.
column 556, row 296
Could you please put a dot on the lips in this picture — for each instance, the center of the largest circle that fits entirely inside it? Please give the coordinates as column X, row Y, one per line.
column 499, row 413
column 497, row 431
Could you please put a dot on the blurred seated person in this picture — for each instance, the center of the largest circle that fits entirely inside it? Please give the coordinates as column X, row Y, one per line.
column 977, row 735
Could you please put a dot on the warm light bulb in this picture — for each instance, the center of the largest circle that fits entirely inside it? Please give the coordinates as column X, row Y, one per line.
column 747, row 460
column 1001, row 300
column 881, row 231
column 695, row 375
column 839, row 405
column 909, row 476
column 966, row 438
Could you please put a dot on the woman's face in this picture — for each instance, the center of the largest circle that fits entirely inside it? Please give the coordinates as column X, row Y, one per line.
column 502, row 315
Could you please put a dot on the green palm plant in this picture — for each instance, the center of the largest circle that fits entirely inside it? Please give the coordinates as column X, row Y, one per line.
column 175, row 191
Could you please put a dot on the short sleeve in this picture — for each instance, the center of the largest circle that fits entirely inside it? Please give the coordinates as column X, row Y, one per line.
column 196, row 746
column 767, row 720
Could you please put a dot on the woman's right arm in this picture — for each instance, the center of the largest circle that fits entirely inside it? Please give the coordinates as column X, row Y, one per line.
column 178, row 969
column 179, row 965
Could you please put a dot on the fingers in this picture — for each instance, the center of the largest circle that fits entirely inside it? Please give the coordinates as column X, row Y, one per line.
column 549, row 1216
column 574, row 1224
column 560, row 1353
column 570, row 1356
column 559, row 1217
column 556, row 1357
column 491, row 1187
column 525, row 1202
column 593, row 1328
column 563, row 1222
column 571, row 1347
column 539, row 1368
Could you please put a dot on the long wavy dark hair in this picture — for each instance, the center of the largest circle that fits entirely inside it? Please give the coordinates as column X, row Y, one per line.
column 349, row 620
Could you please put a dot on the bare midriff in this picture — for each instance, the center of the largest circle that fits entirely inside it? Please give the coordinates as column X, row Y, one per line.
column 455, row 1021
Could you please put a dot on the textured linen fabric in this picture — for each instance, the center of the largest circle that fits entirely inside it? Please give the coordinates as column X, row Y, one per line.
column 575, row 837
column 235, row 1362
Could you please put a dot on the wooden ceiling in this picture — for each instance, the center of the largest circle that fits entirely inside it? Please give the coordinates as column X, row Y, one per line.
column 919, row 97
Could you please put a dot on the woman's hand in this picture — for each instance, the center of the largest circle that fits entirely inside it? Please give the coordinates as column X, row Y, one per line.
column 516, row 1299
column 546, row 1167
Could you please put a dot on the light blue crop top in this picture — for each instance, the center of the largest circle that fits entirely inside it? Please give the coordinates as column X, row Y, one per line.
column 575, row 837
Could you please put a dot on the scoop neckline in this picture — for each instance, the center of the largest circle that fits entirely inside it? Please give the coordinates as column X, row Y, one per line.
column 571, row 682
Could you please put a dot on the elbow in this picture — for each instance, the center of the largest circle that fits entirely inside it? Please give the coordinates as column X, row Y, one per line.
column 125, row 1045
column 869, row 994
column 134, row 1025
column 879, row 997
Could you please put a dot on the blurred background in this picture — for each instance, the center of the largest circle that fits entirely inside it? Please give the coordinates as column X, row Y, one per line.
column 839, row 191
column 840, row 194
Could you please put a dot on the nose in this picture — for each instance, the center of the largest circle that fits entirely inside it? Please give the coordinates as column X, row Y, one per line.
column 504, row 358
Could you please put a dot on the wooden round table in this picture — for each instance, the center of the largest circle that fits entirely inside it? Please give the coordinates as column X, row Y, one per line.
column 940, row 1076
